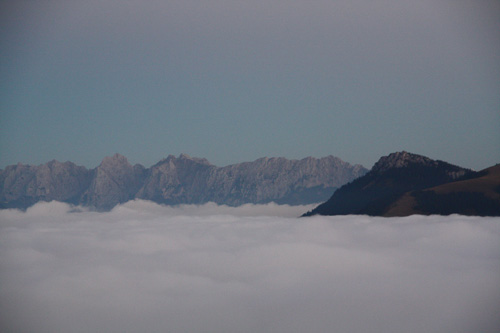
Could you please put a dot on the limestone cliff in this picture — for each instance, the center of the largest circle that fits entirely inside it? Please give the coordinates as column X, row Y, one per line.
column 177, row 180
column 114, row 181
column 23, row 185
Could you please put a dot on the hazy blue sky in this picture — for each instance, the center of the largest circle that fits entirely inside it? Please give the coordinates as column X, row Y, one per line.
column 236, row 80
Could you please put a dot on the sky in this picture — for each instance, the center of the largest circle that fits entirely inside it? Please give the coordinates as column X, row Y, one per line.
column 234, row 81
column 148, row 268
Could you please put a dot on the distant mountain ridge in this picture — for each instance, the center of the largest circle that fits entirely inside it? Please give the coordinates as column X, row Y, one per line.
column 403, row 183
column 176, row 180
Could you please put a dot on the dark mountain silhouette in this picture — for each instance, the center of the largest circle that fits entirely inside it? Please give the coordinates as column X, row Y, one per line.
column 479, row 196
column 176, row 180
column 389, row 179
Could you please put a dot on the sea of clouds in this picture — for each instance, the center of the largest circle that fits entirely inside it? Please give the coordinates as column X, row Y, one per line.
column 144, row 267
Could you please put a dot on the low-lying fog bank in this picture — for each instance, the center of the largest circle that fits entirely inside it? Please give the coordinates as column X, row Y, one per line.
column 255, row 268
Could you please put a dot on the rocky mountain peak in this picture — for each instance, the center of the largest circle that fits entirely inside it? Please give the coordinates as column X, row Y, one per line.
column 186, row 157
column 400, row 160
column 114, row 161
column 115, row 181
column 173, row 160
column 54, row 163
column 403, row 159
column 330, row 158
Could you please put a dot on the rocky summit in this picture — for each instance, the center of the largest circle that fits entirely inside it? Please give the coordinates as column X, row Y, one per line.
column 176, row 180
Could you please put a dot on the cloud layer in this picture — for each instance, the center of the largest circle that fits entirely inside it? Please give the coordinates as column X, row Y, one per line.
column 145, row 267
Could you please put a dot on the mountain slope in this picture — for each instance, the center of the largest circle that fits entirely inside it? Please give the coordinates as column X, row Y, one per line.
column 280, row 180
column 176, row 180
column 476, row 196
column 391, row 177
column 23, row 185
column 193, row 180
column 114, row 181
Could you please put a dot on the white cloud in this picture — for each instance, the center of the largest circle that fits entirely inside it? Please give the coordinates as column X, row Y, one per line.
column 146, row 267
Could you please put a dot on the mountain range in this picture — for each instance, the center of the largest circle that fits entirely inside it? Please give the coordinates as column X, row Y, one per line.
column 176, row 180
column 403, row 184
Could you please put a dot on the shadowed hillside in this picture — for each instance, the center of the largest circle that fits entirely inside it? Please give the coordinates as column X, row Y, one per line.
column 477, row 196
column 390, row 178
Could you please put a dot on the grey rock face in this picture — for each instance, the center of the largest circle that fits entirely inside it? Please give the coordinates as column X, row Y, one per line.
column 280, row 180
column 23, row 185
column 177, row 180
column 114, row 181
